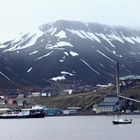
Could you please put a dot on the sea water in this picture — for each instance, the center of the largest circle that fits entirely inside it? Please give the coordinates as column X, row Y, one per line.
column 69, row 128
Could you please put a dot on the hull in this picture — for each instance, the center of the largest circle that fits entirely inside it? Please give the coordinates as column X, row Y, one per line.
column 40, row 115
column 122, row 122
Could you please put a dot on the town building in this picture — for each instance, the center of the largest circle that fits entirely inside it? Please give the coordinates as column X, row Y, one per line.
column 111, row 103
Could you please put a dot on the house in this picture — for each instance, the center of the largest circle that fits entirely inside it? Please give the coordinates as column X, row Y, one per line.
column 43, row 94
column 35, row 94
column 111, row 103
column 67, row 91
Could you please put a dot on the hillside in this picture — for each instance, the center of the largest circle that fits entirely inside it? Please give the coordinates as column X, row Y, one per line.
column 87, row 100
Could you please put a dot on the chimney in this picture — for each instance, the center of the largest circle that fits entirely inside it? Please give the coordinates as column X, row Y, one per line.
column 117, row 79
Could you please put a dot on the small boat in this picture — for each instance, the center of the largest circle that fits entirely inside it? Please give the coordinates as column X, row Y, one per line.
column 12, row 114
column 122, row 121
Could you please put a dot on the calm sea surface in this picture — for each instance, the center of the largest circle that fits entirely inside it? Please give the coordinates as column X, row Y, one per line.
column 69, row 128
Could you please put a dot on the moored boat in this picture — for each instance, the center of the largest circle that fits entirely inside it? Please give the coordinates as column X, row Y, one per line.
column 23, row 114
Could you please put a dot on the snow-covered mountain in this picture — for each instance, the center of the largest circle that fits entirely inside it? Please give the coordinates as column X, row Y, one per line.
column 69, row 50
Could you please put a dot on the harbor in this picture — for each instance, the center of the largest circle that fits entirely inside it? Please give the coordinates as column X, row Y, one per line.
column 71, row 127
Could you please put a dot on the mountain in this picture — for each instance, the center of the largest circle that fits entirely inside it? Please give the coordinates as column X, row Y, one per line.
column 69, row 51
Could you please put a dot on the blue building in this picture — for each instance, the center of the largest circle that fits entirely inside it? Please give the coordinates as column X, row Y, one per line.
column 52, row 111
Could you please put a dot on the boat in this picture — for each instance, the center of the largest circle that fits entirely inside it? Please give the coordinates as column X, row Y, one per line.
column 23, row 114
column 122, row 121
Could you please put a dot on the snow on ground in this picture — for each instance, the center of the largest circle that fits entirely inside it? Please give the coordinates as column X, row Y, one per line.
column 60, row 45
column 52, row 31
column 66, row 53
column 128, row 39
column 61, row 34
column 133, row 53
column 109, row 50
column 108, row 85
column 66, row 73
column 33, row 52
column 90, row 67
column 58, row 78
column 76, row 32
column 115, row 36
column 5, row 76
column 85, row 35
column 29, row 69
column 61, row 60
column 94, row 37
column 106, row 56
column 106, row 39
column 102, row 65
column 45, row 55
column 9, row 69
column 114, row 52
column 110, row 74
column 30, row 37
column 73, row 53
column 136, row 39
column 2, row 46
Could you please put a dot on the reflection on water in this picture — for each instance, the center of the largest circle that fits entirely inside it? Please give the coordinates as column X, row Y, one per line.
column 69, row 128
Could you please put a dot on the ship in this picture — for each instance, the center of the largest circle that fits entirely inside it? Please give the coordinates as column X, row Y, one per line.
column 22, row 114
column 122, row 121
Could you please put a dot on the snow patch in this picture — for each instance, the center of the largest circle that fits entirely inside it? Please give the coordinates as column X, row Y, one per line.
column 136, row 39
column 76, row 32
column 61, row 60
column 61, row 35
column 5, row 76
column 2, row 46
column 66, row 73
column 106, row 39
column 108, row 85
column 128, row 39
column 29, row 69
column 90, row 67
column 102, row 65
column 74, row 53
column 85, row 35
column 115, row 37
column 114, row 52
column 93, row 36
column 106, row 56
column 60, row 45
column 66, row 53
column 30, row 38
column 58, row 78
column 33, row 52
column 45, row 55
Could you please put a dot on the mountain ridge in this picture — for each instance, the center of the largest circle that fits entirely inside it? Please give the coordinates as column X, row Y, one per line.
column 67, row 51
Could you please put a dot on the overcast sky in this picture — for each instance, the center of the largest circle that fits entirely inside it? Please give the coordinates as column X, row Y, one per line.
column 24, row 15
